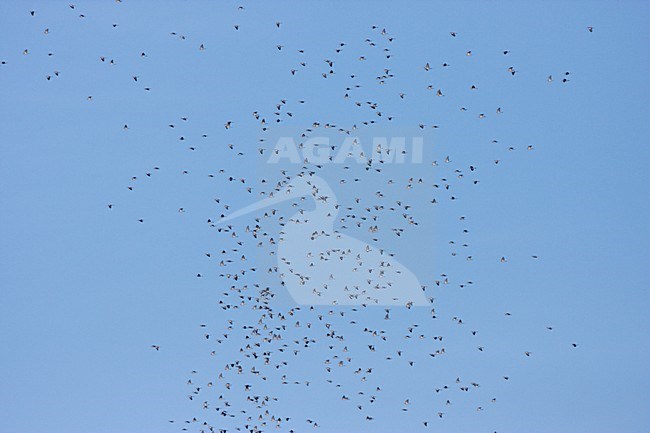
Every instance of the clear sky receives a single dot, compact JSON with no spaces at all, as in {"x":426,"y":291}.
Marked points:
{"x":85,"y":290}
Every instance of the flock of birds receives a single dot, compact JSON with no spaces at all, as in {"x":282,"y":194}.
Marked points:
{"x":261,"y":345}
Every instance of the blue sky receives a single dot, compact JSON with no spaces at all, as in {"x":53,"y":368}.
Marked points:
{"x":86,"y":290}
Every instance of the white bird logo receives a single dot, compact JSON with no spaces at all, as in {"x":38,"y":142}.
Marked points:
{"x":321,"y":266}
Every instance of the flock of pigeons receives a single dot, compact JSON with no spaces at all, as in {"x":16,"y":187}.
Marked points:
{"x":263,"y":346}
